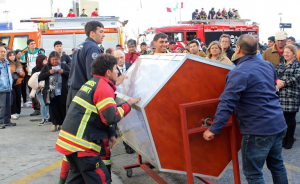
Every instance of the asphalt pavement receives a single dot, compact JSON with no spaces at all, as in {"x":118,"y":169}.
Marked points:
{"x":27,"y":155}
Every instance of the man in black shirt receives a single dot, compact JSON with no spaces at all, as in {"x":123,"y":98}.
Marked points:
{"x":58,"y":14}
{"x":64,"y":58}
{"x":83,"y":13}
{"x":211,"y":14}
{"x":225,"y":44}
{"x":195,"y":15}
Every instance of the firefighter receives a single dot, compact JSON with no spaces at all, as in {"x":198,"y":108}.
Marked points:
{"x":202,"y":14}
{"x":91,"y":113}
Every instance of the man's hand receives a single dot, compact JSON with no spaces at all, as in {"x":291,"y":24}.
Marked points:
{"x":120,"y":79}
{"x":280,"y":83}
{"x":207,"y":135}
{"x":132,"y":101}
{"x":60,"y":71}
{"x":27,"y":69}
{"x":52,"y":71}
{"x":111,"y":142}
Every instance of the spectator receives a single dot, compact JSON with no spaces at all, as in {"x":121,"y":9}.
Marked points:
{"x":195,"y":15}
{"x":230,"y":14}
{"x":83,"y":13}
{"x":122,"y":66}
{"x":251,"y":93}
{"x":64,"y":58}
{"x":212,"y":14}
{"x":71,"y":14}
{"x":37,"y":86}
{"x":153,"y":48}
{"x":160,"y":42}
{"x":260,"y":47}
{"x":5,"y":90}
{"x":171,"y":46}
{"x":219,"y":14}
{"x":58,"y":14}
{"x":109,"y":51}
{"x":195,"y":48}
{"x":29,"y":58}
{"x":225,"y":44}
{"x":119,"y":47}
{"x":274,"y":54}
{"x":132,"y":54}
{"x":288,"y":82}
{"x":271,"y":41}
{"x":203,"y":14}
{"x":71,"y":55}
{"x":214,"y":52}
{"x":15,"y":69}
{"x":178,"y":48}
{"x":55,"y":74}
{"x":185,"y":50}
{"x":95,"y":13}
{"x":204,"y":47}
{"x":23,"y":84}
{"x":43,"y":50}
{"x":144,"y":50}
{"x":224,"y":14}
{"x":292,"y":40}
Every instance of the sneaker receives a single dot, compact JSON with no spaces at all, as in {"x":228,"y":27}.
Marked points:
{"x":43,"y":122}
{"x":14,"y":117}
{"x":36,"y":113}
{"x":11,"y":124}
{"x":27,"y":104}
{"x":22,"y":104}
{"x":2,"y":126}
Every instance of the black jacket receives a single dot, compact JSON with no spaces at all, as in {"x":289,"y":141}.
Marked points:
{"x":66,"y":60}
{"x":262,"y":48}
{"x":83,"y":56}
{"x":45,"y":74}
{"x":229,"y":52}
{"x":35,"y":69}
{"x":127,"y":65}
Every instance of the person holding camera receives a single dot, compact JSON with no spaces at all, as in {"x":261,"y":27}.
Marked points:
{"x":55,"y":74}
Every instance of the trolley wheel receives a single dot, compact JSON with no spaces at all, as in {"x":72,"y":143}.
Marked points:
{"x":129,"y":172}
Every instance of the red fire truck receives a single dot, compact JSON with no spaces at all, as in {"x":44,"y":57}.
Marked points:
{"x":206,"y":30}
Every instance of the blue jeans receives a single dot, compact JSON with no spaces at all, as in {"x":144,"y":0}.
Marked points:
{"x":256,"y":150}
{"x":44,"y":107}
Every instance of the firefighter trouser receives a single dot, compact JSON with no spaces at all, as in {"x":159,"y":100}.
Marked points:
{"x":89,"y":170}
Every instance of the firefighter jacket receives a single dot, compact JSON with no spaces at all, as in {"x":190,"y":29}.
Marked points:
{"x":92,"y":111}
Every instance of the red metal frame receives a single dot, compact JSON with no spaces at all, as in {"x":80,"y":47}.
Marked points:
{"x":145,"y":167}
{"x":186,"y":132}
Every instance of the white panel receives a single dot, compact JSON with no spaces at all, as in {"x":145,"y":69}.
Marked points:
{"x":80,"y":38}
{"x":110,"y":40}
{"x":48,"y":43}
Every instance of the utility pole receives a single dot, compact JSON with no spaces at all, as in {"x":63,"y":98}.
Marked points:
{"x":280,"y":14}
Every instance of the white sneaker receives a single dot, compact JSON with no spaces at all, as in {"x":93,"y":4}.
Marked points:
{"x":14,"y":117}
{"x":22,"y":104}
{"x":17,"y":115}
{"x":27,"y":104}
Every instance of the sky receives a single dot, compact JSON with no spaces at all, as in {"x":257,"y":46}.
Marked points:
{"x":143,"y":14}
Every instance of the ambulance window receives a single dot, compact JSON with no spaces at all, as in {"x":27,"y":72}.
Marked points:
{"x":191,"y":36}
{"x":20,"y":42}
{"x":5,"y":39}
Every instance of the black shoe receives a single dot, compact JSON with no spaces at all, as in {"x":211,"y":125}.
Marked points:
{"x":43,"y":122}
{"x":2,"y":126}
{"x":289,"y":145}
{"x":11,"y":124}
{"x":129,"y":150}
{"x":62,"y":180}
{"x":36,"y":113}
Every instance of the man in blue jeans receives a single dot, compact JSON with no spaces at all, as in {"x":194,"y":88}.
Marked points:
{"x":250,"y":91}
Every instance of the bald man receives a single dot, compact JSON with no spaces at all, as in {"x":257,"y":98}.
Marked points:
{"x":250,"y":91}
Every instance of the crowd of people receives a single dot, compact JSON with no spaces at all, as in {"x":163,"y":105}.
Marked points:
{"x":212,"y":14}
{"x":77,"y":93}
{"x":71,"y":14}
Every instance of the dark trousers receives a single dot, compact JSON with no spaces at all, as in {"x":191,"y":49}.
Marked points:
{"x":71,"y":95}
{"x":89,"y":170}
{"x":290,"y":119}
{"x":5,"y":103}
{"x":16,"y":94}
{"x":57,"y":111}
{"x":24,"y":88}
{"x":35,"y":102}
